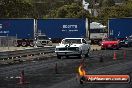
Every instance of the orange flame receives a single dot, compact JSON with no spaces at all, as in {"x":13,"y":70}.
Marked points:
{"x":81,"y":71}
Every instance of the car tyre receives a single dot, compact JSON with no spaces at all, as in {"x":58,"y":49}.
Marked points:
{"x":31,"y":44}
{"x":24,"y":44}
{"x":80,"y":56}
{"x":102,"y":48}
{"x":67,"y":56}
{"x":130,"y":44}
{"x":117,"y":48}
{"x":87,"y":54}
{"x":58,"y":56}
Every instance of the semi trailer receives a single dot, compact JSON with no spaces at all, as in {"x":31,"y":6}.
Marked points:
{"x":120,"y":27}
{"x":60,"y":28}
{"x":38,"y":32}
{"x":24,"y":31}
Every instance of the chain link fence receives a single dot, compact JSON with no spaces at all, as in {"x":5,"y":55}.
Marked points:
{"x":7,"y":41}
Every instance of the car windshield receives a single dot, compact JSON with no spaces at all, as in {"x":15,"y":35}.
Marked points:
{"x":42,"y":37}
{"x":129,"y":39}
{"x":69,"y":41}
{"x":110,"y":39}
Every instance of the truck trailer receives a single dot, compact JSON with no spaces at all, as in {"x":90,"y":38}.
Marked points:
{"x":38,"y":32}
{"x":60,"y":28}
{"x":120,"y":27}
{"x":24,"y":31}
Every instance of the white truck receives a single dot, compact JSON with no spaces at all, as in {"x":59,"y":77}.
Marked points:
{"x":72,"y":47}
{"x":97,"y":32}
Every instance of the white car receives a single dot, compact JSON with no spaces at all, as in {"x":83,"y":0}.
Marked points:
{"x":72,"y":47}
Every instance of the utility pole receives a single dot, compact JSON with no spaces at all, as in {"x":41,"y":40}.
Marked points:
{"x":93,"y":7}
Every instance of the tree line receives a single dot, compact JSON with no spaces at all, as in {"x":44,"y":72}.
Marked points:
{"x":64,"y":9}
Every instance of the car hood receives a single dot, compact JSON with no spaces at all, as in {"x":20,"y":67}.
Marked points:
{"x":110,"y":42}
{"x":68,"y":45}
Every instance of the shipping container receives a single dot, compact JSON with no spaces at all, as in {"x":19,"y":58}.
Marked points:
{"x":21,"y":29}
{"x":120,"y":27}
{"x":39,"y":32}
{"x":62,"y":28}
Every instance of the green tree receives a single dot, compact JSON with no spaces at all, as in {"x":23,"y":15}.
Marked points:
{"x":117,"y":11}
{"x":106,"y":3}
{"x":15,"y":9}
{"x":69,"y":11}
{"x":42,"y":7}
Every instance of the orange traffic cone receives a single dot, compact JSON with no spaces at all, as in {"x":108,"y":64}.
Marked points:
{"x":82,"y":61}
{"x":124,"y":54}
{"x":115,"y":56}
{"x":22,"y":80}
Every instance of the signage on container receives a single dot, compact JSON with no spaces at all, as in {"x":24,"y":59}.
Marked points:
{"x":70,"y":28}
{"x":0,"y":26}
{"x":1,"y":31}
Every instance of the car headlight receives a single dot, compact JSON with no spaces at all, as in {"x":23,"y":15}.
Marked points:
{"x":126,"y":42}
{"x":57,"y":49}
{"x":36,"y":42}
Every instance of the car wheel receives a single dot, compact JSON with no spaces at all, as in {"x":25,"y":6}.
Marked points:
{"x":87,"y":54}
{"x":24,"y":44}
{"x":67,"y":56}
{"x":58,"y":56}
{"x":102,"y":48}
{"x":131,"y":45}
{"x":31,"y":44}
{"x":117,"y":48}
{"x":80,"y":56}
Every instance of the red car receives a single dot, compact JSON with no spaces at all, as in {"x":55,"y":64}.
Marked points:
{"x":110,"y":43}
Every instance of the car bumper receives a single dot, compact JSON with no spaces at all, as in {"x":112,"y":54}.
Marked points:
{"x":124,"y":45}
{"x":68,"y":53}
{"x":109,"y":46}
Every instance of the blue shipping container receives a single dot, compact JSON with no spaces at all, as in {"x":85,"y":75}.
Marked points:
{"x":22,"y":28}
{"x":62,"y":28}
{"x":120,"y":27}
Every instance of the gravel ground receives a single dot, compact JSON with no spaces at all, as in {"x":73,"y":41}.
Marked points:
{"x":43,"y":74}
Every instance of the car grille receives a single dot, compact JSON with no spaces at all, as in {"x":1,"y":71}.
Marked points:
{"x":68,"y":48}
{"x":43,"y":41}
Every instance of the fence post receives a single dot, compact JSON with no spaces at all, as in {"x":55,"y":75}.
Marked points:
{"x":8,"y":41}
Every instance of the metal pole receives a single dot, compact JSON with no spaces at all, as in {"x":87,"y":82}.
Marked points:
{"x":2,"y":43}
{"x":87,"y":24}
{"x":89,"y":28}
{"x":8,"y":41}
{"x":16,"y":41}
